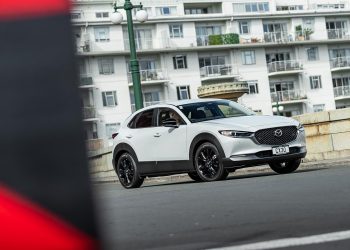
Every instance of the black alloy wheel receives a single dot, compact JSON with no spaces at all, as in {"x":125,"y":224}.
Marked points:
{"x":285,"y":167}
{"x":127,"y":171}
{"x":194,"y":176}
{"x":208,"y":163}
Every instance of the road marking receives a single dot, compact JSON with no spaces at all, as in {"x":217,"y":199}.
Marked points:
{"x":289,"y":242}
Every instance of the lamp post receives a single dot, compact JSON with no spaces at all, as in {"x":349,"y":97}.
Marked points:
{"x":277,"y":108}
{"x":141,"y":16}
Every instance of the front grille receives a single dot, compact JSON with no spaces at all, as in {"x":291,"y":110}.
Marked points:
{"x":271,"y":136}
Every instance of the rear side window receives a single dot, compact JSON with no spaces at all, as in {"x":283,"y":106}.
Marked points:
{"x":142,"y":120}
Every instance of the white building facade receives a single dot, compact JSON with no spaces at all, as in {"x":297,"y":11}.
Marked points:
{"x":295,"y":54}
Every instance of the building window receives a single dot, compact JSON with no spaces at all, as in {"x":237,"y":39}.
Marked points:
{"x":106,"y":66}
{"x":109,"y":98}
{"x":102,"y":14}
{"x":111,"y":128}
{"x":315,"y":82}
{"x":253,"y":87}
{"x":183,"y":92}
{"x":312,"y":54}
{"x":75,"y":15}
{"x":318,"y":107}
{"x":244,"y":27}
{"x":165,"y":11}
{"x":194,"y":11}
{"x":289,"y":7}
{"x":175,"y":30}
{"x":101,"y":34}
{"x":248,"y":57}
{"x":180,"y":62}
{"x":251,"y":7}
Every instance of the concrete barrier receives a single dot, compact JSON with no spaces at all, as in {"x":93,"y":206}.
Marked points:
{"x":327,"y":134}
{"x":327,"y":137}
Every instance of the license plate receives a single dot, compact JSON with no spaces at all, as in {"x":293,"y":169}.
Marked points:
{"x":282,"y":150}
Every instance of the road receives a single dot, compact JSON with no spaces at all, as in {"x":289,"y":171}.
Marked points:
{"x":241,"y":210}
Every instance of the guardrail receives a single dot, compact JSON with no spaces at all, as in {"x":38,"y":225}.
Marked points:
{"x":340,"y":62}
{"x":341,"y":91}
{"x":338,"y":34}
{"x":140,"y":44}
{"x":280,"y":66}
{"x":277,"y":37}
{"x":150,"y":75}
{"x":218,"y":70}
{"x":288,"y":95}
{"x":89,"y":112}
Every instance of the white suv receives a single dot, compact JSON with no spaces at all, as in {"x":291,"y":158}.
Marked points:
{"x":206,"y":138}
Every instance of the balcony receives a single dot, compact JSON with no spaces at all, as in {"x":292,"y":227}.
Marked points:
{"x":218,"y":72}
{"x":145,"y":104}
{"x":338,"y":34}
{"x":89,"y":114}
{"x":284,"y":67}
{"x":86,"y":81}
{"x":229,"y":90}
{"x":289,"y":96}
{"x":342,"y":92}
{"x":140,"y":44}
{"x":219,"y":39}
{"x":340,"y":64}
{"x":150,"y":76}
{"x":277,"y":37}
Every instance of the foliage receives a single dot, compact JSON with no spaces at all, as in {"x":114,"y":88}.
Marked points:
{"x":215,"y":40}
{"x":230,"y":38}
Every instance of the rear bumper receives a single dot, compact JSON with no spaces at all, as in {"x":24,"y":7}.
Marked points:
{"x":262,"y":157}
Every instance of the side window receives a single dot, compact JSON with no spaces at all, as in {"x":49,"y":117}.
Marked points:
{"x":145,"y":119}
{"x":166,"y":113}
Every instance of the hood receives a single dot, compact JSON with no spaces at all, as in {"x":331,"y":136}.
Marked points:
{"x":252,"y":123}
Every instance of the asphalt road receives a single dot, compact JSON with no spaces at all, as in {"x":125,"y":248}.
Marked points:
{"x":244,"y":209}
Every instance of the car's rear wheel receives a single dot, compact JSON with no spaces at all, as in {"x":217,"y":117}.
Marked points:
{"x":208,"y":164}
{"x":285,"y":167}
{"x":194,"y":176}
{"x":127,"y":171}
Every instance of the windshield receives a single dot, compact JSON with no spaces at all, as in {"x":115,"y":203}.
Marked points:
{"x":212,"y":110}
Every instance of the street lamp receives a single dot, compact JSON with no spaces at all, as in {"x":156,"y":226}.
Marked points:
{"x":277,"y":108}
{"x":141,"y":16}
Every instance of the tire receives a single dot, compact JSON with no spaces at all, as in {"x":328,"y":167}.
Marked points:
{"x":225,"y":174}
{"x":285,"y":167}
{"x":208,"y":163}
{"x":194,"y":176}
{"x":127,"y":171}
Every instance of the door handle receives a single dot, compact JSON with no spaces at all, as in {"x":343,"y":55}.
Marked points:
{"x":156,"y":135}
{"x":129,"y":136}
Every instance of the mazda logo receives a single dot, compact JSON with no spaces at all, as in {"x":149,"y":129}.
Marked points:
{"x":278,"y":133}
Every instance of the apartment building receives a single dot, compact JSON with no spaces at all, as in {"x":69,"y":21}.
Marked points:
{"x":291,"y":53}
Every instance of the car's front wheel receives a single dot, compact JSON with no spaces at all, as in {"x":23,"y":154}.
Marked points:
{"x":208,"y":164}
{"x":127,"y":171}
{"x":285,"y":167}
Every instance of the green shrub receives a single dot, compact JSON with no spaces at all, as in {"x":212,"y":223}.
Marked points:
{"x":230,"y":38}
{"x":215,"y":40}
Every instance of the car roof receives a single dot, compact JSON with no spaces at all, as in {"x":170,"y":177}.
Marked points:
{"x":189,"y":101}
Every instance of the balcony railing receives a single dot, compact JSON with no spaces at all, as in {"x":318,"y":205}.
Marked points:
{"x":140,"y":44}
{"x":145,"y":104}
{"x":85,"y":80}
{"x":338,"y":34}
{"x":89,"y":112}
{"x":218,"y":70}
{"x":341,"y":91}
{"x":282,"y":66}
{"x":149,"y":75}
{"x":277,"y":37}
{"x":340,"y":62}
{"x":288,"y":95}
{"x":203,"y":40}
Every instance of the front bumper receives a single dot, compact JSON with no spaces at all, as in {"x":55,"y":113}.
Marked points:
{"x":262,"y":157}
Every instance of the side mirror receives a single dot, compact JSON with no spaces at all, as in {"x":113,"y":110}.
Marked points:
{"x":170,"y":123}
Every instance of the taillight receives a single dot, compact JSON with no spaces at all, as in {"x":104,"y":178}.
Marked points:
{"x":114,"y":135}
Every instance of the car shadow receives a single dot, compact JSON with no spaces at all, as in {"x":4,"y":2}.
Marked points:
{"x":230,"y":177}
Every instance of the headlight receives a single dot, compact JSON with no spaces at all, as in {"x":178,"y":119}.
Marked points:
{"x":300,"y":128}
{"x":236,"y":134}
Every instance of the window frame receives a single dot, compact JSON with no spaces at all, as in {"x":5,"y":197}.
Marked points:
{"x":241,"y":27}
{"x":180,"y":89}
{"x":316,"y":54}
{"x":252,"y":55}
{"x":134,"y":120}
{"x":176,"y":61}
{"x":97,"y":34}
{"x":256,"y":88}
{"x":172,"y":29}
{"x":314,"y":84}
{"x":105,"y":98}
{"x":102,"y":62}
